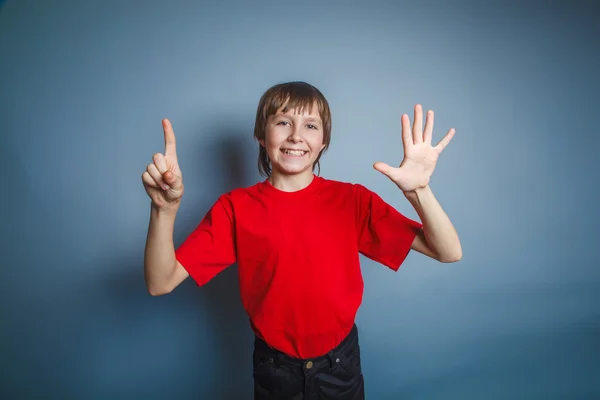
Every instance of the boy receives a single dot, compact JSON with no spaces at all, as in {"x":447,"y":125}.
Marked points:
{"x":296,"y":238}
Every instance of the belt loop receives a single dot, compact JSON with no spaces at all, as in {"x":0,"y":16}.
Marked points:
{"x":332,"y":358}
{"x":277,"y":359}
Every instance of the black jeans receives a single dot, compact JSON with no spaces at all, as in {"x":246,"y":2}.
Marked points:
{"x":335,"y":375}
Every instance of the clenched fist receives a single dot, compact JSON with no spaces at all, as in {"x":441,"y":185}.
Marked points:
{"x":162,"y":179}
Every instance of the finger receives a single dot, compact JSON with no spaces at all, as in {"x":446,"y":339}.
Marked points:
{"x":153,"y":171}
{"x":147,"y":179}
{"x":407,"y":139}
{"x":428,"y":134}
{"x":170,"y":145}
{"x":383,"y":168}
{"x":160,"y":162}
{"x":418,"y":125}
{"x":445,"y":140}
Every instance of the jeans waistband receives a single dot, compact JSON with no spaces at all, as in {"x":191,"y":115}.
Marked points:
{"x":349,"y":342}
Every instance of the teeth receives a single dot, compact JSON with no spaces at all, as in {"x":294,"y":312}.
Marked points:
{"x":294,"y":152}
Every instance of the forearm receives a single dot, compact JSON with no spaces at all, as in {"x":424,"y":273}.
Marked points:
{"x":159,"y":255}
{"x":441,"y":236}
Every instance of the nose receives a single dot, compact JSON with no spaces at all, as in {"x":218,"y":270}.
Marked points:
{"x":296,"y":135}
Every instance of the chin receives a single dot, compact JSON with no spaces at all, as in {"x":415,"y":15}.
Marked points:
{"x":293,"y":171}
{"x":287,"y":169}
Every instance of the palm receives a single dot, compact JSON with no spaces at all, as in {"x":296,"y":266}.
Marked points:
{"x":420,"y":157}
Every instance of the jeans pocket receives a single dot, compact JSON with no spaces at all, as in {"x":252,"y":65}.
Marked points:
{"x":261,"y":362}
{"x":351,"y":365}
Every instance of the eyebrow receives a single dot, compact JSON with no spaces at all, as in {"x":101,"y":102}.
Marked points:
{"x":313,"y":119}
{"x":308,"y":119}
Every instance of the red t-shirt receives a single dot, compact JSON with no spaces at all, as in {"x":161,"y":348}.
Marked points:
{"x":298,"y":256}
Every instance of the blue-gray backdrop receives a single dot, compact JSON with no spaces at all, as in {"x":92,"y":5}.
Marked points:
{"x":84,"y":86}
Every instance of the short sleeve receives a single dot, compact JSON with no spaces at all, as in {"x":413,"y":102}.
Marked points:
{"x":384,"y":234}
{"x":210,"y":248}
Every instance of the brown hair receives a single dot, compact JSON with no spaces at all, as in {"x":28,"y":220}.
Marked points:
{"x":298,"y":95}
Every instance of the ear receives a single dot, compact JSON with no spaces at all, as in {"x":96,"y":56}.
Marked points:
{"x":262,"y":142}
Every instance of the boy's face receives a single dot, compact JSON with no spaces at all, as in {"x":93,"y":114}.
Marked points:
{"x":293,"y":141}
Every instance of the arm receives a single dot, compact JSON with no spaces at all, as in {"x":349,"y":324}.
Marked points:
{"x":438,"y":239}
{"x":162,"y":271}
{"x":164,"y":184}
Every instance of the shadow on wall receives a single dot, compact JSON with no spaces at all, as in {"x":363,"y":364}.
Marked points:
{"x":195,"y":342}
{"x":233,"y":339}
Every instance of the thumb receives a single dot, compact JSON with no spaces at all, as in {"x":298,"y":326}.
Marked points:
{"x":172,"y":180}
{"x":383,"y":168}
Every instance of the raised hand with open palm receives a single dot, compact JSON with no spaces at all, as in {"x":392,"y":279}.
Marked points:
{"x":162,"y":179}
{"x":420,"y":156}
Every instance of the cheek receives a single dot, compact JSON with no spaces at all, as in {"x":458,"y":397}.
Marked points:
{"x":272,"y":145}
{"x":317,"y":144}
{"x":271,"y":140}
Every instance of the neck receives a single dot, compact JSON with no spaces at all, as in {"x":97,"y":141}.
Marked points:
{"x":291,"y":183}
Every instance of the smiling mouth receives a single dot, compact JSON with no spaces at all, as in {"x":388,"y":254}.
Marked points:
{"x":293,"y":153}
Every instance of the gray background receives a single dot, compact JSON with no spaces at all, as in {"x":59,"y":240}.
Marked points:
{"x":84,"y":86}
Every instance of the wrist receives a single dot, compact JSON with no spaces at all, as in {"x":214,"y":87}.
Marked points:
{"x":416,"y":192}
{"x":169,"y":211}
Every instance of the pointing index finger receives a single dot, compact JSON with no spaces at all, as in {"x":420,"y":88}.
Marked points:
{"x":170,"y":146}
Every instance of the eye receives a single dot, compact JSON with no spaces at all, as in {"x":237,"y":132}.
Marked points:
{"x":311,"y":126}
{"x":282,"y":123}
